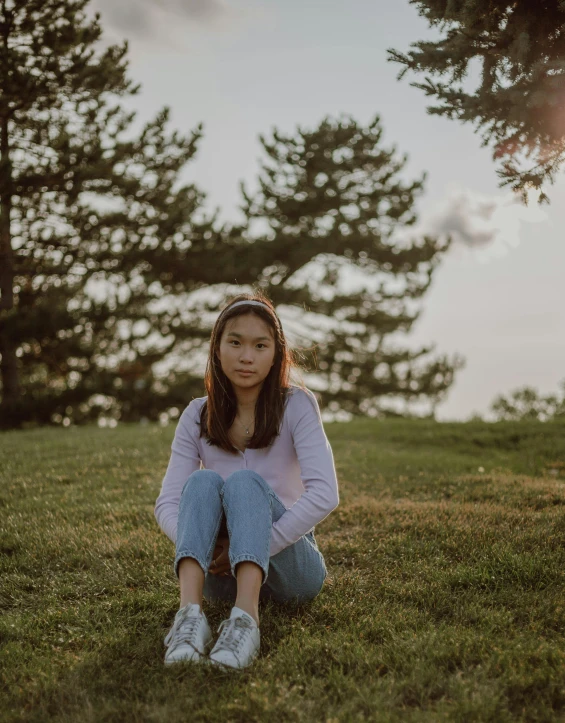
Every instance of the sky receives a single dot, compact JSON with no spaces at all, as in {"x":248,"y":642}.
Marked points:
{"x":242,"y":68}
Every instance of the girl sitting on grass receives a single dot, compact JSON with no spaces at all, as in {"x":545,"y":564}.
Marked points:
{"x":244,"y":524}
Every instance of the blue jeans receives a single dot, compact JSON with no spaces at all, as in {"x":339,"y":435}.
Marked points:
{"x":250,"y":506}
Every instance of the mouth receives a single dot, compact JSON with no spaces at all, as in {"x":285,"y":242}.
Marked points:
{"x":244,"y":373}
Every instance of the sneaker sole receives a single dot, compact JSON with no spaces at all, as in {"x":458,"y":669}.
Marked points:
{"x":198,"y":661}
{"x":224,"y":666}
{"x":202,"y":659}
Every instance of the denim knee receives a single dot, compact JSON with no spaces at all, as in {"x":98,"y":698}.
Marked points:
{"x":203,"y":481}
{"x":245,"y":476}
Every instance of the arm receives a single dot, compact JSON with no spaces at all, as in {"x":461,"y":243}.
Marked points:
{"x":318,"y":475}
{"x":184,"y":460}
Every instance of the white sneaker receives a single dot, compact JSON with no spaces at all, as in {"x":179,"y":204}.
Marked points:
{"x":238,"y":643}
{"x":190,"y":637}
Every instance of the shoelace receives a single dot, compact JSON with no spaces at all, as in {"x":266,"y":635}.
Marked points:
{"x":183,"y":631}
{"x":233,"y":632}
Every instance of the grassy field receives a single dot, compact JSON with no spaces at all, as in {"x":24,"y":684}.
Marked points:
{"x":445,"y":599}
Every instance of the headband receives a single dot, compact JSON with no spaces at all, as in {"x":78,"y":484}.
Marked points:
{"x":251,"y":301}
{"x":245,"y":301}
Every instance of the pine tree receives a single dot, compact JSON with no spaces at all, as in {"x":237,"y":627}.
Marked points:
{"x":81,"y":203}
{"x":104,"y":254}
{"x":519,"y":104}
{"x":330,"y":200}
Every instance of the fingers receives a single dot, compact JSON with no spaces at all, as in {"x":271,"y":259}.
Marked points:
{"x":222,"y":571}
{"x":222,"y":545}
{"x":220,"y":565}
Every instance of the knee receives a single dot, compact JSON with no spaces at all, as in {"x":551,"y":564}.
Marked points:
{"x":313,"y":590}
{"x":302,"y":594}
{"x":203,"y":482}
{"x":244,"y":478}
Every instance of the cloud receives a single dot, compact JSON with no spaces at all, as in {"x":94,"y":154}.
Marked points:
{"x":142,"y":17}
{"x":489,"y":224}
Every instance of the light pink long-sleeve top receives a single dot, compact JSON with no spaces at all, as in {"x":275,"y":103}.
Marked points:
{"x":298,"y":466}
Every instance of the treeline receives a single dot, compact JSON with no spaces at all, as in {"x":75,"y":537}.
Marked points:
{"x":106,"y":253}
{"x":112,"y":271}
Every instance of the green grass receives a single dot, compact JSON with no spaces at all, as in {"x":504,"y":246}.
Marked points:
{"x":445,"y":599}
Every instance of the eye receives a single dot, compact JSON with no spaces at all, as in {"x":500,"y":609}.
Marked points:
{"x":234,"y":341}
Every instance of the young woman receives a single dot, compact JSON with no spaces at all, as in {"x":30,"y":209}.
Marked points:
{"x":243,"y":524}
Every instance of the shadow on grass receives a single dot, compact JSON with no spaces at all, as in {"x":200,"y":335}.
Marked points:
{"x":125,"y":678}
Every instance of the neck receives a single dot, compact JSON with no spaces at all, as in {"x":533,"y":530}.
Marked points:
{"x":246,"y":400}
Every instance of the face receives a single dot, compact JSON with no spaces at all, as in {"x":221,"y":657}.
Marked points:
{"x":247,"y":344}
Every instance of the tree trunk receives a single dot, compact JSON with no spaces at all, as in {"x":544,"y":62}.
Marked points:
{"x":9,"y":363}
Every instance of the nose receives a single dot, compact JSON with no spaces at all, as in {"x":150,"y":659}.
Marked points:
{"x":246,"y":354}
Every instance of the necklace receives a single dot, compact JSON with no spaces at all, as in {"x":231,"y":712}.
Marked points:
{"x":244,"y":426}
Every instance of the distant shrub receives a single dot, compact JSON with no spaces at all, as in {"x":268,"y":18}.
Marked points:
{"x":527,"y":404}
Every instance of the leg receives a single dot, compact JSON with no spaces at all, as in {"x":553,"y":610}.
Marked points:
{"x":247,"y":506}
{"x":200,"y":515}
{"x":249,"y":577}
{"x":251,"y":506}
{"x":298,"y":572}
{"x":191,"y":581}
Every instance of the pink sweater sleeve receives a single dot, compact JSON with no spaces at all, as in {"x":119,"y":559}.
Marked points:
{"x":317,"y":471}
{"x":184,"y":460}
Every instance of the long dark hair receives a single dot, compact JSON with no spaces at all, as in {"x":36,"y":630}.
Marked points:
{"x":219,"y":410}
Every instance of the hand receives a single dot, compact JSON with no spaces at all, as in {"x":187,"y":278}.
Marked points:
{"x":221,"y":558}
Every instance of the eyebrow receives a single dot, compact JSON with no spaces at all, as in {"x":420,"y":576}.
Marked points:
{"x":239,"y":336}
